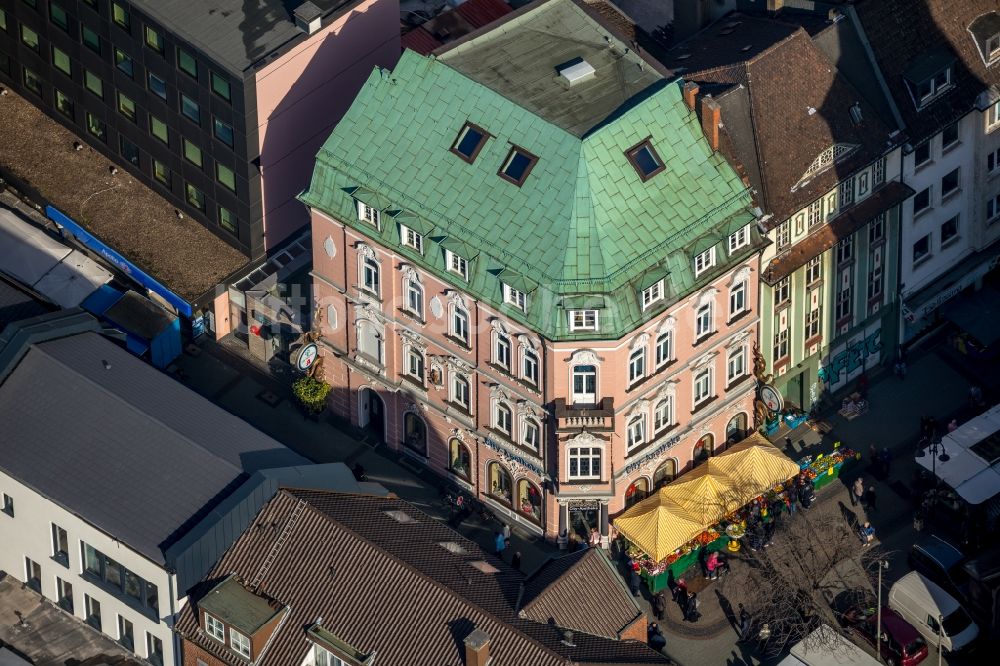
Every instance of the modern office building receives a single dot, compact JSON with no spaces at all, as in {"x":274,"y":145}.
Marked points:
{"x":217,"y":106}
{"x":544,"y":285}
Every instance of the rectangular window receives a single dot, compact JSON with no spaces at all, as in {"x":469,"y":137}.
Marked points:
{"x":844,"y":308}
{"x":993,"y":209}
{"x":812,"y":323}
{"x":8,"y":505}
{"x":112,"y":572}
{"x":456,"y":264}
{"x":460,"y":324}
{"x":814,"y":270}
{"x":470,"y":140}
{"x":645,"y":160}
{"x":664,"y":348}
{"x":636,"y":433}
{"x":845,"y":250}
{"x":96,"y":127}
{"x":64,"y":592}
{"x":161,"y":172}
{"x":190,"y":109}
{"x":517,"y":166}
{"x":782,"y":290}
{"x":154,"y":39}
{"x":584,"y":462}
{"x":194,"y":196}
{"x":60,"y":60}
{"x":932,"y":87}
{"x":225,"y":176}
{"x":91,"y":39}
{"x":121,"y":16}
{"x":702,"y":386}
{"x":368,"y":214}
{"x":92,"y":559}
{"x":415,"y":298}
{"x":128,"y":150}
{"x":33,"y":574}
{"x":530,"y":367}
{"x":501,"y":352}
{"x":993,"y":161}
{"x":370,"y":275}
{"x":703,"y":321}
{"x":215,"y":628}
{"x":126,"y":107}
{"x":922,"y":248}
{"x":411,"y":238}
{"x":652,"y":294}
{"x":515,"y":297}
{"x":187,"y":64}
{"x":704,"y":261}
{"x":781,"y":344}
{"x":157,"y":86}
{"x":158,"y":128}
{"x":227,"y":221}
{"x":93,"y":83}
{"x":192,"y":153}
{"x":783,"y":235}
{"x":737,"y":300}
{"x":221,"y":87}
{"x":223,"y":132}
{"x":58,"y":16}
{"x":949,"y":231}
{"x":29,"y":38}
{"x":3,"y":20}
{"x":65,"y":105}
{"x":93,"y":609}
{"x":32,"y":81}
{"x":637,"y":365}
{"x":876,"y":229}
{"x":126,"y":633}
{"x":154,"y":650}
{"x":922,"y":154}
{"x":60,"y":545}
{"x":239,"y":643}
{"x":949,"y":183}
{"x":846,"y":193}
{"x":739,"y":239}
{"x":949,"y":135}
{"x":878,"y":172}
{"x":460,"y":391}
{"x":875,"y":274}
{"x":736,"y":366}
{"x":815,"y":213}
{"x":415,"y":364}
{"x":663,"y":416}
{"x":124,"y":63}
{"x":5,"y":63}
{"x":583,"y":320}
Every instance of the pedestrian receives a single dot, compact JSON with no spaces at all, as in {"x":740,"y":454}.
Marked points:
{"x":867,"y":533}
{"x":953,"y":425}
{"x":976,"y":396}
{"x":515,"y":560}
{"x":680,"y":592}
{"x":659,"y":605}
{"x":655,"y":638}
{"x":788,"y":443}
{"x":506,"y":535}
{"x":932,"y":427}
{"x":595,"y":537}
{"x":872,"y":454}
{"x":500,"y":543}
{"x":711,"y":565}
{"x":886,"y":459}
{"x":703,"y":561}
{"x":870,"y":499}
{"x":691,"y":613}
{"x":858,"y":492}
{"x":722,"y":567}
{"x":744,"y":622}
{"x":633,"y":582}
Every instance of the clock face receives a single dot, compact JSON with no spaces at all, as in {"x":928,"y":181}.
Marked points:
{"x":308,"y":355}
{"x":771,"y":398}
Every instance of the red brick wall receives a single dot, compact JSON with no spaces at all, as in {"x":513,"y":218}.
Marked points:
{"x":633,"y":632}
{"x":192,"y":653}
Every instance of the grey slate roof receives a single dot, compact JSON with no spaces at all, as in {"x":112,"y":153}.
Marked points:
{"x":234,"y":33}
{"x":17,"y":304}
{"x":123,"y":446}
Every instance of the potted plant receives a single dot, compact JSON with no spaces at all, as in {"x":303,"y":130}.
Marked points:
{"x":311,"y":394}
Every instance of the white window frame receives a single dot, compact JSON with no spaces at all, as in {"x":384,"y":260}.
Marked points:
{"x":652,"y":294}
{"x":780,"y":349}
{"x":572,"y":387}
{"x":663,"y":414}
{"x":240,"y":643}
{"x":461,"y":390}
{"x":371,"y":269}
{"x":322,"y":657}
{"x":664,"y":348}
{"x":456,"y":264}
{"x":846,"y":194}
{"x":740,"y":238}
{"x":529,"y":366}
{"x":738,"y":299}
{"x":783,"y":234}
{"x":704,"y":261}
{"x":635,"y":432}
{"x":636,"y":365}
{"x":993,"y":161}
{"x":876,"y":229}
{"x":740,"y":354}
{"x":814,"y":214}
{"x":993,"y":208}
{"x":935,"y":89}
{"x":500,"y":343}
{"x":783,"y":290}
{"x":845,"y":250}
{"x":415,"y":364}
{"x":814,"y":269}
{"x":583,"y":320}
{"x":503,"y":408}
{"x":527,"y":428}
{"x":993,"y":117}
{"x":458,"y":323}
{"x":702,"y":377}
{"x":415,"y":299}
{"x":369,"y":215}
{"x":593,"y":454}
{"x":703,"y":321}
{"x":215,"y":628}
{"x":813,"y":322}
{"x":512,"y":296}
{"x":410,"y":238}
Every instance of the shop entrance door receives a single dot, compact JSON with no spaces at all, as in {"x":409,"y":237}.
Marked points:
{"x":793,"y":389}
{"x":371,"y":414}
{"x":584,"y":516}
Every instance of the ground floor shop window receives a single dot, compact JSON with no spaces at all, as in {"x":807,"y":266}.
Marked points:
{"x":703,"y":449}
{"x":500,"y":483}
{"x":529,"y":500}
{"x":664,"y":474}
{"x":415,"y":433}
{"x":460,"y":459}
{"x":736,"y":429}
{"x":636,"y":492}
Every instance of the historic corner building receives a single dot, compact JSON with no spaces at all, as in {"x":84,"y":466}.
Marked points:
{"x":825,"y":167}
{"x":534,"y":273}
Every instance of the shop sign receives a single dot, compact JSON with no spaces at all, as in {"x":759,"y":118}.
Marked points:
{"x":951,"y":292}
{"x":771,"y":398}
{"x":307,"y":356}
{"x":655,"y":453}
{"x":508,"y":456}
{"x":584,"y":505}
{"x":852,"y":357}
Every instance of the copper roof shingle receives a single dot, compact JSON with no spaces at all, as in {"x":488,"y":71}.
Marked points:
{"x":385,"y":586}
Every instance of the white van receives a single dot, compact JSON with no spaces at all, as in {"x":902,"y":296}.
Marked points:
{"x":827,"y":647}
{"x":921,"y":603}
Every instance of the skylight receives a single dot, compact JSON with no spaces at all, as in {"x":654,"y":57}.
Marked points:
{"x":400,"y":516}
{"x":452,"y":547}
{"x":469,"y":142}
{"x":645,"y":160}
{"x":484,"y":566}
{"x":517,"y":166}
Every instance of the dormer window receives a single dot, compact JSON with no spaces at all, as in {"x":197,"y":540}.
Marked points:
{"x":516,"y":298}
{"x":652,"y":294}
{"x":985,"y":30}
{"x":929,"y":75}
{"x":740,"y":238}
{"x":583,"y":320}
{"x":411,"y":238}
{"x":239,"y":643}
{"x":930,"y":88}
{"x":215,"y":629}
{"x":704,"y":261}
{"x":993,"y":48}
{"x":326,"y":658}
{"x":644,"y":160}
{"x":369,"y":214}
{"x":456,"y":264}
{"x":469,"y":142}
{"x":517,"y":165}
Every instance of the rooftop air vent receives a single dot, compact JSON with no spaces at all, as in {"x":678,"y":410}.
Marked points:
{"x":576,"y":71}
{"x":308,"y":17}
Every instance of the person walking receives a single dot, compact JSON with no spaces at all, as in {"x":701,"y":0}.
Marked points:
{"x":858,"y":492}
{"x":500,"y":543}
{"x":870,"y":499}
{"x":515,"y":560}
{"x":712,"y":566}
{"x":655,"y":638}
{"x":659,"y":605}
{"x":506,"y":535}
{"x":595,"y":537}
{"x":885,"y":458}
{"x":866,"y":533}
{"x":633,"y":582}
{"x":691,"y":613}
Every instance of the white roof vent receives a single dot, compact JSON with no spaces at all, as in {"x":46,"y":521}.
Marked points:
{"x":577,"y":71}
{"x":308,"y":17}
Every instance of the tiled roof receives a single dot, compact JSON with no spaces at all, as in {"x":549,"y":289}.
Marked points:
{"x":419,"y":40}
{"x":583,"y":222}
{"x":555,"y":591}
{"x":902,"y":32}
{"x":451,"y":25}
{"x":799,"y":106}
{"x":386,"y":586}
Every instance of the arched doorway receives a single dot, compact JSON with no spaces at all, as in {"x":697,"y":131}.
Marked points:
{"x":459,"y":458}
{"x":736,"y":429}
{"x":529,"y":500}
{"x":371,"y":413}
{"x":703,"y":449}
{"x":636,"y":492}
{"x":415,"y":433}
{"x":664,"y":474}
{"x":500,"y":486}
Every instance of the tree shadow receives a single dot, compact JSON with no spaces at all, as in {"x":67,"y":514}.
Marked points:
{"x":850,"y":517}
{"x":727,"y":609}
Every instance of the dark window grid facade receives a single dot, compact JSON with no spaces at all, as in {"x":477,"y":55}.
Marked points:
{"x":165,"y":66}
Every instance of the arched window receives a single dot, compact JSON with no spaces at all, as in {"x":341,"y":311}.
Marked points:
{"x":415,"y":298}
{"x":636,"y":492}
{"x":636,"y":433}
{"x":503,"y":419}
{"x":529,"y":500}
{"x":499,"y":482}
{"x":531,"y":434}
{"x":664,"y":474}
{"x":415,"y":433}
{"x":736,"y":428}
{"x":460,"y":460}
{"x":703,"y":449}
{"x":369,"y":340}
{"x":585,"y":385}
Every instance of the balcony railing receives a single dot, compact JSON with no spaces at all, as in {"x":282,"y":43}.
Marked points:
{"x":573,"y":418}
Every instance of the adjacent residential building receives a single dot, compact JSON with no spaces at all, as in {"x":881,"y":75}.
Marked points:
{"x":217,"y":106}
{"x":543,"y":285}
{"x":390,"y":585}
{"x":941,"y":63}
{"x":825,"y":168}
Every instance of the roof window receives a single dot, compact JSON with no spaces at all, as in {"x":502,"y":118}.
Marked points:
{"x":929,"y":75}
{"x":985,"y":31}
{"x":400,"y":516}
{"x":517,"y":166}
{"x":644,"y":159}
{"x":469,"y":142}
{"x":452,"y":547}
{"x":484,"y":566}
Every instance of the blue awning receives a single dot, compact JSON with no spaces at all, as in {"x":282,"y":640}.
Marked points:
{"x":102,"y":299}
{"x":135,"y":344}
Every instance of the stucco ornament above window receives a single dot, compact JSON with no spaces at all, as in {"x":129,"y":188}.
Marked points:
{"x":825,"y":160}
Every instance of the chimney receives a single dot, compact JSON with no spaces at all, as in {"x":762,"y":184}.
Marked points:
{"x":308,"y":17}
{"x":690,"y":94}
{"x":477,"y":648}
{"x":711,"y":118}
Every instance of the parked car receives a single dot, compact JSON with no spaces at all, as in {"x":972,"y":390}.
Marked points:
{"x":941,"y":562}
{"x":900,"y":644}
{"x":975,"y":582}
{"x":933,"y":612}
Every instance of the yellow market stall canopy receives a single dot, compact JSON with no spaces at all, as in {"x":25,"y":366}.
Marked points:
{"x":683,"y":509}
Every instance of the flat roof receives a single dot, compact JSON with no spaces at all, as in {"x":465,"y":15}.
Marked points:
{"x":181,"y":254}
{"x":234,"y":33}
{"x":238,"y":607}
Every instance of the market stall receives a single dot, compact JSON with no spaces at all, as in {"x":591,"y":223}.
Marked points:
{"x":666,"y":531}
{"x":824,"y":468}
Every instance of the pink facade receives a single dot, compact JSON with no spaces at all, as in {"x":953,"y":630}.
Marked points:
{"x":395,"y":372}
{"x":304,"y":93}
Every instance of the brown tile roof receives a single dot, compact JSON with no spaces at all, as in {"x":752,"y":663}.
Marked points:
{"x":419,"y":40}
{"x":385,"y":586}
{"x":827,"y":235}
{"x":564,"y":588}
{"x":447,"y":26}
{"x":799,"y":105}
{"x":901,"y":31}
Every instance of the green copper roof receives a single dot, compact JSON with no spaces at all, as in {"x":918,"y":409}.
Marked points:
{"x":583,"y":222}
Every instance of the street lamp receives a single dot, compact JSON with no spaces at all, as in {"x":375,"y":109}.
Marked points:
{"x":935,"y":446}
{"x":882,"y":564}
